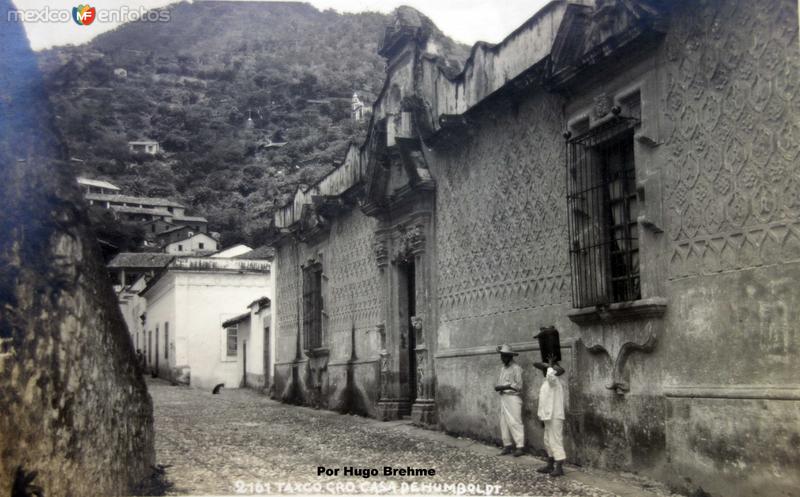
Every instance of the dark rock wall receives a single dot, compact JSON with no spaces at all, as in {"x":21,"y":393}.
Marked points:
{"x":74,"y":405}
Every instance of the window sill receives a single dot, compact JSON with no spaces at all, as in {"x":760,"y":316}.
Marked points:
{"x":318,"y":352}
{"x":651,"y":308}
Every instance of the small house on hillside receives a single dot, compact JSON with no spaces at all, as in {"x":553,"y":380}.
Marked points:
{"x":101,"y":187}
{"x":115,"y":200}
{"x":193,"y":243}
{"x":144,"y":147}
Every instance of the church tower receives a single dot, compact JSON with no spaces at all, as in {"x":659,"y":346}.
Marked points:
{"x":356,"y":108}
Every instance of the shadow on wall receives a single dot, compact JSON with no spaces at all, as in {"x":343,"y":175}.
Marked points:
{"x":353,"y":400}
{"x":77,"y":418}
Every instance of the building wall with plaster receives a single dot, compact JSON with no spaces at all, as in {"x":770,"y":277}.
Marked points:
{"x":351,"y":310}
{"x":694,"y":382}
{"x":195,"y":303}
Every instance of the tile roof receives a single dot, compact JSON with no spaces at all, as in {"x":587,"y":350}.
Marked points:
{"x":261,"y":253}
{"x":172,"y":230}
{"x":236,"y":320}
{"x":140,"y":260}
{"x":199,"y":219}
{"x":98,"y":183}
{"x":194,"y":235}
{"x":141,"y":210}
{"x":263,"y":302}
{"x":129,"y":199}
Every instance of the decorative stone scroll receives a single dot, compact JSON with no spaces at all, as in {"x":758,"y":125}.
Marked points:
{"x":416,"y":323}
{"x":618,"y":341}
{"x":602,"y":106}
{"x":381,"y":253}
{"x":422,"y":357}
{"x":411,"y":242}
{"x":386,"y":360}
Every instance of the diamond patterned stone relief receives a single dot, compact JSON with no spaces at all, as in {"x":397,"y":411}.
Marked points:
{"x":500,"y":218}
{"x":286,"y":293}
{"x":354,"y":294}
{"x":731,"y":105}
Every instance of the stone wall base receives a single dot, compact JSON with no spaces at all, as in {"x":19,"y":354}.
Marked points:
{"x":423,"y":412}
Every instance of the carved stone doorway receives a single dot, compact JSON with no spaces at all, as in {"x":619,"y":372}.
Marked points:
{"x":407,"y":379}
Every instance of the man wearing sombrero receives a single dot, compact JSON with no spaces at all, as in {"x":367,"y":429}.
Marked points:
{"x":510,"y":388}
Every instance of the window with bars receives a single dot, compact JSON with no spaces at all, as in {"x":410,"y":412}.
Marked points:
{"x":603,"y":207}
{"x":312,"y":306}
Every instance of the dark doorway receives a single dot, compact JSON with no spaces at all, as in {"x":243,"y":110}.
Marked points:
{"x":408,"y":310}
{"x":155,"y":372}
{"x":244,"y":363}
{"x":267,"y":372}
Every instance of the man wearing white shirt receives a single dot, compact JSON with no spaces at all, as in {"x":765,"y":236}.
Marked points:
{"x":551,"y":412}
{"x":509,"y":386}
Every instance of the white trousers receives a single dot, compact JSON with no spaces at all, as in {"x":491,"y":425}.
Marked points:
{"x":511,"y":420}
{"x":554,"y":439}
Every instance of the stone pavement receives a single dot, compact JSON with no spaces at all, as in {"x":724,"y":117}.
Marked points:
{"x":242,"y":443}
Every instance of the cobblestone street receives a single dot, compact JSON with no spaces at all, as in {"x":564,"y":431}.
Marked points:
{"x":243,"y":442}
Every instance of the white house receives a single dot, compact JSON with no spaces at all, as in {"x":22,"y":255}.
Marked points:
{"x":250,"y":335}
{"x":193,"y":244}
{"x":145,"y":146}
{"x":187,"y":302}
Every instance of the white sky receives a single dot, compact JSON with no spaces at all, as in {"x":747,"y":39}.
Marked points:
{"x":466,"y":21}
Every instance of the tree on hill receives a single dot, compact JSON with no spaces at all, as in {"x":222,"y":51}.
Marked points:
{"x":193,"y":83}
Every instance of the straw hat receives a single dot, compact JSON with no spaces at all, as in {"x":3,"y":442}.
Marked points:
{"x":506,"y":349}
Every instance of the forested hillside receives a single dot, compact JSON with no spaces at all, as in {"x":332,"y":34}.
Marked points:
{"x":215,"y":86}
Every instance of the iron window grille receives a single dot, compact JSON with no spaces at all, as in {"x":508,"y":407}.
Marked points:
{"x":312,"y":306}
{"x":602,"y":208}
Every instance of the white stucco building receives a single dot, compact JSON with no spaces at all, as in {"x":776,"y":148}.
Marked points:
{"x":96,"y":186}
{"x":187,"y":303}
{"x":144,"y":147}
{"x":250,"y":336}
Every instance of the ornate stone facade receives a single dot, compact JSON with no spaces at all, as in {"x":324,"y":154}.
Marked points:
{"x":450,"y":236}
